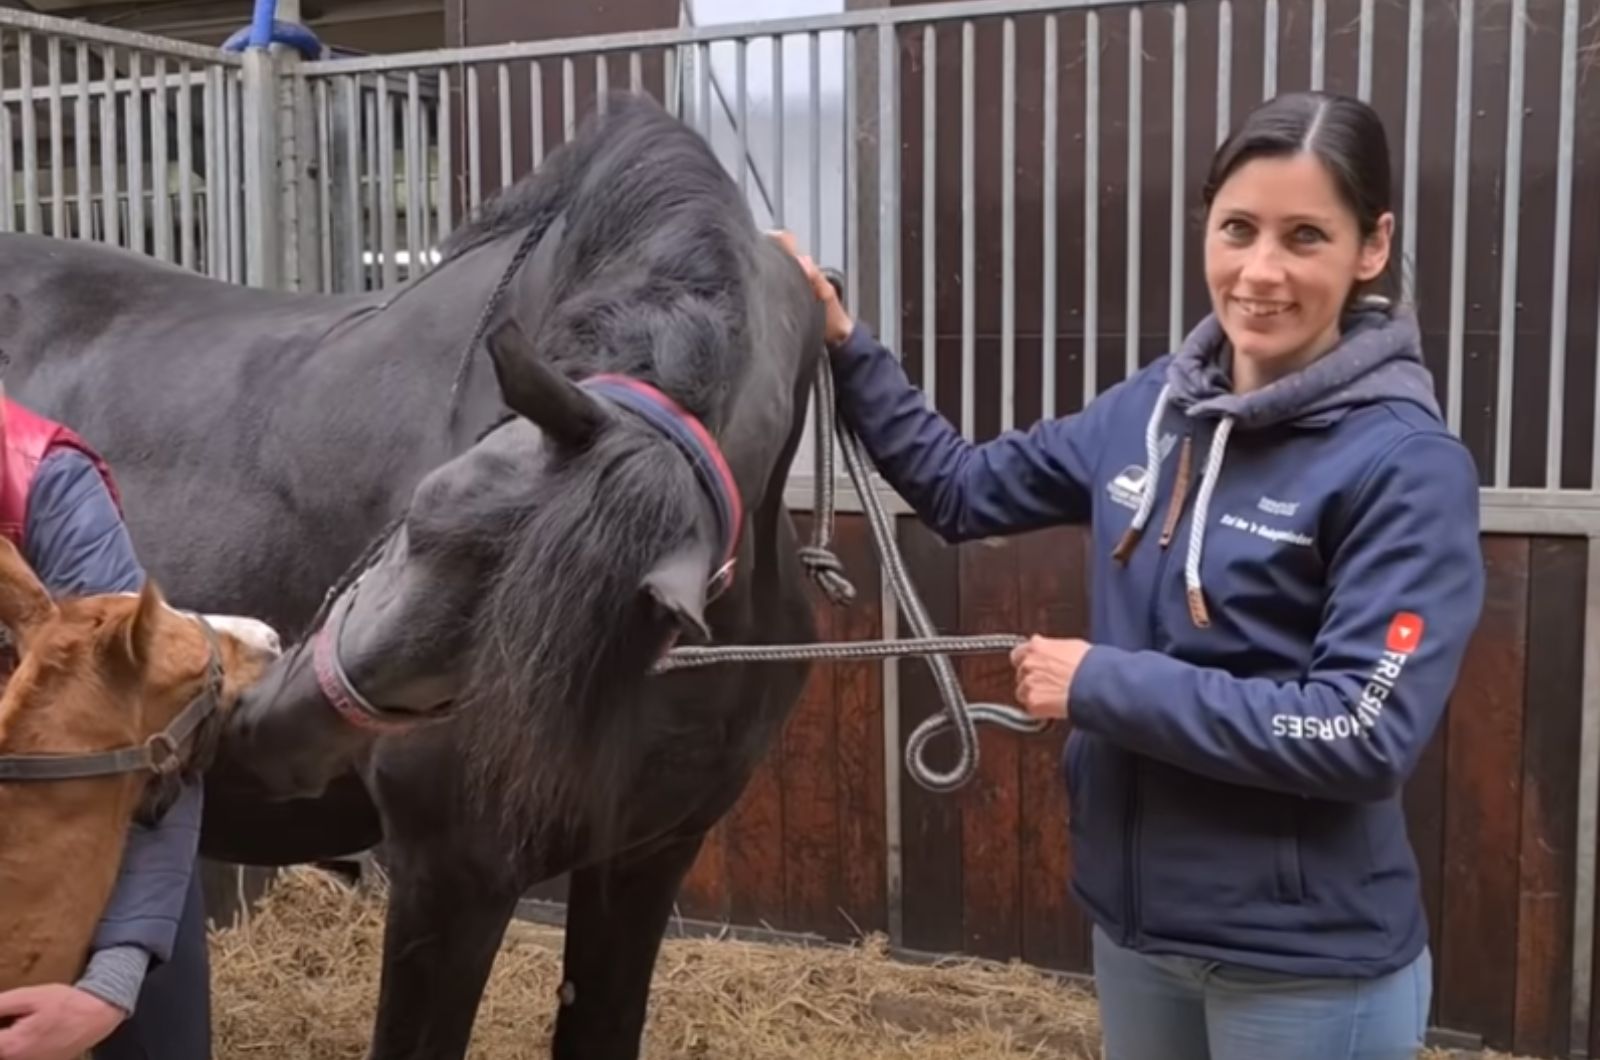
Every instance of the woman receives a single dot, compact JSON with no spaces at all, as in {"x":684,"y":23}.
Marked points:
{"x":1286,"y":575}
{"x":145,"y":991}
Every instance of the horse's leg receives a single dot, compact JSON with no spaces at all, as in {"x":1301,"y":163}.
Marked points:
{"x":616,"y":915}
{"x":446,"y":920}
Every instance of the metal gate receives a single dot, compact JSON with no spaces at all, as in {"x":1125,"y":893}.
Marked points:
{"x":122,"y":138}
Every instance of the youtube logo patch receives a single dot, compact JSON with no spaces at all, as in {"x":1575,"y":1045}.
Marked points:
{"x":1405,"y":633}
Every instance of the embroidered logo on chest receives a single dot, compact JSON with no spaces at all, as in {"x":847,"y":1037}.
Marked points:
{"x":1270,"y":529}
{"x":1128,"y":485}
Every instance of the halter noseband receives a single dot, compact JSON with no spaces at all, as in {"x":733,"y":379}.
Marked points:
{"x":333,"y":681}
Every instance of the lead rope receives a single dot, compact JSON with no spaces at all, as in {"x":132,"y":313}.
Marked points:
{"x":827,"y":570}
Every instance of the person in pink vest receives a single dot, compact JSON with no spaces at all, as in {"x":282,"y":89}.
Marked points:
{"x":145,"y":991}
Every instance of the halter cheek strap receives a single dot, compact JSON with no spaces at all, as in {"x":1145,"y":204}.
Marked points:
{"x":691,"y":437}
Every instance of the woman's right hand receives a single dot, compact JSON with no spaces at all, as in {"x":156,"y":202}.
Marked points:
{"x":837,"y":324}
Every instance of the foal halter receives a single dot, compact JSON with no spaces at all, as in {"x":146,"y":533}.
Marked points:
{"x":161,"y":752}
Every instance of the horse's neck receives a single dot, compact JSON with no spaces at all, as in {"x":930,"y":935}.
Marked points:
{"x":427,"y":324}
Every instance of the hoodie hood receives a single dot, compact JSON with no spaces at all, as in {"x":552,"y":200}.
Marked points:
{"x":1378,"y":358}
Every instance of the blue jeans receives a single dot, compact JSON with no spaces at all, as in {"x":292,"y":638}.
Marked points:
{"x":1181,"y":1008}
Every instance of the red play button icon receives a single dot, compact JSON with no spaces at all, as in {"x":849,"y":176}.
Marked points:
{"x":1405,"y":633}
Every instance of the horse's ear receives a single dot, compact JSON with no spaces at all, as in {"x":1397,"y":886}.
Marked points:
{"x":677,"y":587}
{"x":25,"y":606}
{"x":534,"y":390}
{"x":133,"y":637}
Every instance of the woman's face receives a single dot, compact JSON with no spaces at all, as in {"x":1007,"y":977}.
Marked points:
{"x":1283,"y":253}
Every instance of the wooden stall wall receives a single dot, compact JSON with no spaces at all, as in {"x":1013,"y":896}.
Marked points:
{"x":1492,"y":806}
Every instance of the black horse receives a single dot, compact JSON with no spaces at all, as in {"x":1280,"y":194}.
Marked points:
{"x":482,"y":559}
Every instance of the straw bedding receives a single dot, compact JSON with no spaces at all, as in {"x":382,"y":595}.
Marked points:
{"x":304,"y":968}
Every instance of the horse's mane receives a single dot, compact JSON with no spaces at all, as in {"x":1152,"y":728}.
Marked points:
{"x":654,"y":245}
{"x":649,"y":278}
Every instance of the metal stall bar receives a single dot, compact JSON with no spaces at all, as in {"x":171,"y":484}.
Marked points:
{"x":30,"y":137}
{"x":930,"y":210}
{"x":1510,"y":240}
{"x":969,"y":269}
{"x":160,"y":164}
{"x":111,"y":217}
{"x":1319,"y":44}
{"x":134,"y":101}
{"x":1008,"y":226}
{"x":1224,"y":69}
{"x":81,"y":144}
{"x":1180,"y":94}
{"x":186,"y":214}
{"x":1091,"y":206}
{"x":1052,"y":114}
{"x":58,"y":163}
{"x":1135,"y":180}
{"x":1561,"y":269}
{"x":1458,"y":226}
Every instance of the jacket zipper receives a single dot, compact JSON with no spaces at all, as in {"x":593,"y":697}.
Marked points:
{"x":1130,"y":834}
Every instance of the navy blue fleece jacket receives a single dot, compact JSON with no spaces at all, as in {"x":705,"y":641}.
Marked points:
{"x":1284,"y":584}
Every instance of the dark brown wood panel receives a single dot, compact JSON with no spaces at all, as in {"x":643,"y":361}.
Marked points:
{"x":1424,"y":800}
{"x":754,"y":830}
{"x":811,"y":810}
{"x":1483,"y":809}
{"x":704,"y":894}
{"x":858,"y":704}
{"x":990,"y":808}
{"x":1553,"y":699}
{"x":931,"y":831}
{"x":1054,"y":602}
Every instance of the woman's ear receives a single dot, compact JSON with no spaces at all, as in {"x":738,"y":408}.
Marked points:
{"x":1375,"y":250}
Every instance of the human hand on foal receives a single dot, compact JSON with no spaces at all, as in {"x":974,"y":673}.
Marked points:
{"x":837,"y":324}
{"x":53,"y":1022}
{"x":1045,"y":669}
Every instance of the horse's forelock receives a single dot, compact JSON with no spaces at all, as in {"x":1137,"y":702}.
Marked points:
{"x":562,"y":637}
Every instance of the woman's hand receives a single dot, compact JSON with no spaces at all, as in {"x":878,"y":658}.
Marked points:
{"x":54,"y":1022}
{"x":837,"y":324}
{"x":1045,"y":669}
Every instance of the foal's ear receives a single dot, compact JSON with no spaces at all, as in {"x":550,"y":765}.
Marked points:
{"x":133,"y":636}
{"x":25,"y":606}
{"x":677,"y":587}
{"x":537,"y":392}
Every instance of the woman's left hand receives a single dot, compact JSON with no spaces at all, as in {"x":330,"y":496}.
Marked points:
{"x":1045,"y":668}
{"x":53,"y":1022}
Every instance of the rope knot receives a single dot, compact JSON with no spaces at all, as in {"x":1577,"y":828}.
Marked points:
{"x":827,"y":570}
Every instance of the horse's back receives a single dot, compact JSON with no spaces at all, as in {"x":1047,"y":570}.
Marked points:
{"x":176,"y":378}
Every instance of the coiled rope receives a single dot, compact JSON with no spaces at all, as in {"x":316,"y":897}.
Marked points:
{"x":827,"y":571}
